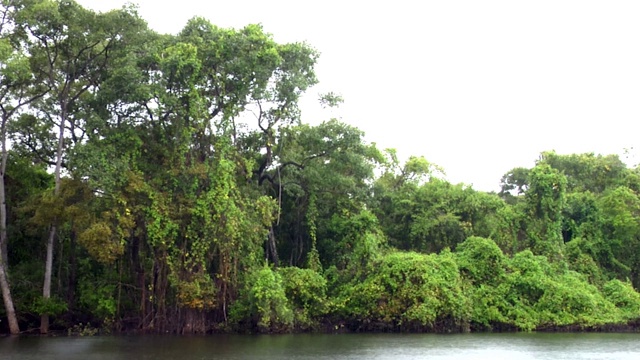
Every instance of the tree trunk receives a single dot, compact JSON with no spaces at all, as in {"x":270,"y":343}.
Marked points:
{"x":73,"y":272}
{"x":46,"y":288}
{"x":14,"y":329}
{"x":136,"y":264}
{"x":4,"y":256}
{"x":4,"y":247}
{"x":194,"y":322}
{"x":273,"y":249}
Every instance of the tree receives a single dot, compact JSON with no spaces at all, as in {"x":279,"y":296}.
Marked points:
{"x":17,"y":90}
{"x":317,"y":172}
{"x":421,"y":212}
{"x":621,"y":227}
{"x":516,"y":180}
{"x":70,"y":52}
{"x":170,"y":155}
{"x":588,"y":172}
{"x":545,"y":200}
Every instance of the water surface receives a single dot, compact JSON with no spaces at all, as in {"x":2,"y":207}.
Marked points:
{"x":325,"y":347}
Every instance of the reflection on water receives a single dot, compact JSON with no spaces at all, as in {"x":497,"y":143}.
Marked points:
{"x":317,"y":346}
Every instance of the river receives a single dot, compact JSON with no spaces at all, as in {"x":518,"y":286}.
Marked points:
{"x":520,"y":346}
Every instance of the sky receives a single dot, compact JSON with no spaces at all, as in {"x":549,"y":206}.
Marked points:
{"x":476,"y":87}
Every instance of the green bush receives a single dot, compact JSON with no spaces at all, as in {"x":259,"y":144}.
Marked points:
{"x":624,"y":297}
{"x":580,"y":261}
{"x":269,"y":302}
{"x":263,"y":303}
{"x":49,"y":306}
{"x":481,"y":260}
{"x":488,"y":305}
{"x":528,"y":276}
{"x":306,"y":291}
{"x":571,"y":300}
{"x":98,"y":299}
{"x":408,"y":289}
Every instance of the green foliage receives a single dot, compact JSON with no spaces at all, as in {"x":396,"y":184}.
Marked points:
{"x":514,"y":184}
{"x":529,"y":275}
{"x":587,"y":172}
{"x":545,"y":200}
{"x":528,"y":292}
{"x":580,"y":260}
{"x":313,"y":258}
{"x":582,"y":216}
{"x":619,"y":253}
{"x":306,"y":291}
{"x":26,"y":280}
{"x":331,"y":99}
{"x":506,"y":298}
{"x":98,"y":298}
{"x":623,"y":296}
{"x":570,"y":300}
{"x":490,"y":306}
{"x":408,"y":290}
{"x":268,"y":301}
{"x":197,"y":292}
{"x":168,"y":201}
{"x":356,"y":240}
{"x":433,"y":215}
{"x":50,"y":306}
{"x":98,"y":239}
{"x":481,"y":260}
{"x":325,"y":172}
{"x":508,"y":229}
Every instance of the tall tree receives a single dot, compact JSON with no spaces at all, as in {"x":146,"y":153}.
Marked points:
{"x":514,"y":184}
{"x":421,"y":212}
{"x":71,"y":52}
{"x":588,"y":172}
{"x":317,"y":172}
{"x":545,"y":199}
{"x":17,"y":90}
{"x":169,"y":155}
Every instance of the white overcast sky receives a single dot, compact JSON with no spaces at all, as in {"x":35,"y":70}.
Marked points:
{"x":477,"y":87}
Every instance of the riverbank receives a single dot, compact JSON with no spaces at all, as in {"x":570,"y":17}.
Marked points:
{"x":632,"y":326}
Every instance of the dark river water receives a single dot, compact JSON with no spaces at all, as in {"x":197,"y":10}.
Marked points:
{"x":315,"y":346}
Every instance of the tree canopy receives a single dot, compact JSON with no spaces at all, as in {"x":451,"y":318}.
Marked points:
{"x":167,"y":184}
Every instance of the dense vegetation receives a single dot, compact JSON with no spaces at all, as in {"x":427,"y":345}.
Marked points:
{"x":165,"y":183}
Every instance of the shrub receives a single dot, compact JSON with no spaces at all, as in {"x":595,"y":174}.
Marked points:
{"x":263,"y":302}
{"x":480,"y":260}
{"x":624,"y":297}
{"x":306,"y":291}
{"x":408,"y":289}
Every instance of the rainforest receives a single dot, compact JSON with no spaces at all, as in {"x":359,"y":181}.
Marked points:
{"x":159,"y":183}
